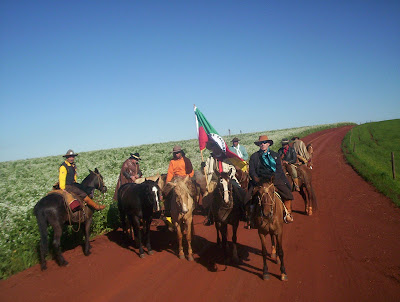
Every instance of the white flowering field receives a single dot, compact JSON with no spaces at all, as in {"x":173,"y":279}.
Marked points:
{"x":24,"y":182}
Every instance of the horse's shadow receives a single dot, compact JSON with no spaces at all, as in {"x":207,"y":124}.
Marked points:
{"x":161,"y":240}
{"x":206,"y":253}
{"x":211,"y":256}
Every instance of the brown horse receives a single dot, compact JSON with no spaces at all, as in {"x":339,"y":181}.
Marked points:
{"x":269,"y":221}
{"x":180,"y":192}
{"x":306,"y":189}
{"x":225,"y":209}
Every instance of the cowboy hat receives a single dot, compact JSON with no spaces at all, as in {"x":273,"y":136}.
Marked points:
{"x":177,"y":149}
{"x":135,"y":156}
{"x":285,"y":141}
{"x":70,"y":153}
{"x":235,"y":139}
{"x":264,"y":138}
{"x":294,"y":137}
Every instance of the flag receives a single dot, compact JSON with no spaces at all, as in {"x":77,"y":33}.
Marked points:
{"x":206,"y":132}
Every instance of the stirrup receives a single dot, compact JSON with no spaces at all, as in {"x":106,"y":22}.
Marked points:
{"x":288,"y":218}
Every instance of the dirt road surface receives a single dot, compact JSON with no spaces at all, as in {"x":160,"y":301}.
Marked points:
{"x":347,"y":251}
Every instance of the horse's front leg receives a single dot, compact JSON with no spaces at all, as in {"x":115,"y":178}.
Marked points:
{"x":235,"y":256}
{"x":189,"y":222}
{"x":264,"y":255}
{"x":87,"y":225}
{"x":181,"y":255}
{"x":280,"y":254}
{"x":147,"y":236}
{"x":224,"y":235}
{"x":273,"y":247}
{"x":138,"y":235}
{"x":218,"y":229}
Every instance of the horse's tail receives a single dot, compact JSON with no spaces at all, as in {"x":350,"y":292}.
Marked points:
{"x":42,"y":224}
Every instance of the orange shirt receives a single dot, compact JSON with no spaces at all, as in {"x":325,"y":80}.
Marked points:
{"x":177,"y":167}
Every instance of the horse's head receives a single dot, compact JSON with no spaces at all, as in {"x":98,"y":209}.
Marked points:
{"x":98,"y":182}
{"x":154,"y":193}
{"x":224,"y":186}
{"x":179,"y":190}
{"x":265,"y":195}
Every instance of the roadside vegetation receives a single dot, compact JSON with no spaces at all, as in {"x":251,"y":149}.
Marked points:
{"x":368,"y":149}
{"x":24,"y":182}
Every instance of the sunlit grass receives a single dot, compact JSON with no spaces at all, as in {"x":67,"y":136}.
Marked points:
{"x":24,"y":182}
{"x":368,"y":149}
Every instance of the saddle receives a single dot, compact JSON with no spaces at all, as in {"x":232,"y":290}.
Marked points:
{"x":72,"y":203}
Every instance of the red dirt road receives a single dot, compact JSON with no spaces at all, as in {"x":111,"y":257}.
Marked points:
{"x":347,"y":251}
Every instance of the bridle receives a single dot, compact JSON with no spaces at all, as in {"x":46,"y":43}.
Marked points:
{"x":222,"y":190}
{"x":271,"y":204}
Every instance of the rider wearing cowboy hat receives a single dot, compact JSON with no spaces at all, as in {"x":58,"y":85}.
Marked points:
{"x":67,"y":180}
{"x":179,"y":166}
{"x":289,"y":158}
{"x":130,"y":172}
{"x":239,"y":150}
{"x":265,"y":164}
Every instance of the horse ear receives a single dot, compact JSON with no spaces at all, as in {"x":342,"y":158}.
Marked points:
{"x":96,"y":171}
{"x":90,"y":171}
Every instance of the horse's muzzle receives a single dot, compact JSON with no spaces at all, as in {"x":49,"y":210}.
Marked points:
{"x":103,"y":189}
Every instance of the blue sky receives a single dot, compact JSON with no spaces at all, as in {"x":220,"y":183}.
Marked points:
{"x":92,"y":75}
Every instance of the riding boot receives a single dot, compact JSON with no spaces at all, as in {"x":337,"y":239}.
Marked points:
{"x":93,"y":204}
{"x":296,"y":184}
{"x":209,"y":219}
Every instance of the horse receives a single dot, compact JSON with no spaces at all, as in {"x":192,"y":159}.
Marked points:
{"x":269,"y":221}
{"x":137,"y":202}
{"x":180,"y":192}
{"x":306,"y":189}
{"x":225,"y":209}
{"x":52,"y":210}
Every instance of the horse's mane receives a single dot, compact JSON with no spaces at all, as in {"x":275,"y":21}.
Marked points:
{"x":179,"y":185}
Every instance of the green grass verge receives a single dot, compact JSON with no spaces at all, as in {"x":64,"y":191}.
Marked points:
{"x":368,"y":149}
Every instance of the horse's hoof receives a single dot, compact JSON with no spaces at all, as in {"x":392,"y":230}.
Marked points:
{"x":43,"y":267}
{"x":87,"y":253}
{"x":64,"y":263}
{"x":190,"y":258}
{"x":266,"y":277}
{"x":150,"y":252}
{"x":142,"y":256}
{"x":273,"y":256}
{"x":284,"y":277}
{"x":310,"y":212}
{"x":235,"y":260}
{"x":181,"y":256}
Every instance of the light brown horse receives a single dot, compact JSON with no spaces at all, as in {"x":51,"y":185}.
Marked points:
{"x":304,"y":175}
{"x":180,"y":191}
{"x":269,"y":221}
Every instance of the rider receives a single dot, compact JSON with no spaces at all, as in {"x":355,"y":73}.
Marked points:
{"x":266,"y":164}
{"x":217,"y":161}
{"x":179,"y":166}
{"x":289,"y":159}
{"x":301,"y":150}
{"x":130,"y":172}
{"x":239,"y":150}
{"x":67,"y":180}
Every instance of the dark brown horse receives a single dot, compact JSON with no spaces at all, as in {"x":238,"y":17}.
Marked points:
{"x":225,"y":209}
{"x":52,"y":210}
{"x":137,"y":202}
{"x":269,"y":221}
